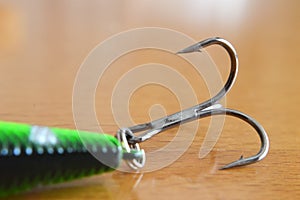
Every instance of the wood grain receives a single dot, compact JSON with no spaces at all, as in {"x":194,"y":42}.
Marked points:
{"x":43,"y":43}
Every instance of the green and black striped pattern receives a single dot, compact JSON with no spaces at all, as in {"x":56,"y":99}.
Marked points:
{"x":35,"y":155}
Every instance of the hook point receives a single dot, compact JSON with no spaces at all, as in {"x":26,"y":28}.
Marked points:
{"x":194,"y":48}
{"x":231,"y":165}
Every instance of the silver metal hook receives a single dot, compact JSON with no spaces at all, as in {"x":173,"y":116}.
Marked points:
{"x":205,"y":109}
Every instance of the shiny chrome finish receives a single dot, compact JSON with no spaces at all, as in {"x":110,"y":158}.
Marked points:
{"x":205,"y":109}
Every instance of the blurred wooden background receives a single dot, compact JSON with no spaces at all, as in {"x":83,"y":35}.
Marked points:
{"x":43,"y":44}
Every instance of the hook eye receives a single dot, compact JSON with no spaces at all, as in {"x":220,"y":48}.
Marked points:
{"x":134,"y":156}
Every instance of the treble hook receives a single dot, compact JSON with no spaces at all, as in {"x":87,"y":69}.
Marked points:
{"x":205,"y":109}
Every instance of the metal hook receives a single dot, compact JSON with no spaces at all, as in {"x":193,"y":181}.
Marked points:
{"x":205,"y":109}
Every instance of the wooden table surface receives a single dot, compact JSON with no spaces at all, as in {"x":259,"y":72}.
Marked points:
{"x":44,"y":43}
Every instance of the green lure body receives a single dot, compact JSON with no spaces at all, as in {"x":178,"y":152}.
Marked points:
{"x":35,"y":155}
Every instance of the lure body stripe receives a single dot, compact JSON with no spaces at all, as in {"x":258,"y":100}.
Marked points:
{"x":34,"y":155}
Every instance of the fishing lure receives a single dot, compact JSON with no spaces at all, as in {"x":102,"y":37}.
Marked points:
{"x":37,"y":155}
{"x":33,"y":155}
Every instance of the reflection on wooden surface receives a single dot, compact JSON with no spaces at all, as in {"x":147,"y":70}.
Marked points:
{"x":42,"y":45}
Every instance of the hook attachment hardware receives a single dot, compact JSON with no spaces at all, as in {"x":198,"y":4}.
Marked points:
{"x":205,"y":109}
